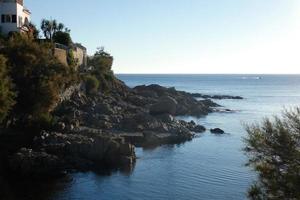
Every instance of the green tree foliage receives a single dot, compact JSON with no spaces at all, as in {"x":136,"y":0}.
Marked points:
{"x":274,"y":152}
{"x":72,"y":62}
{"x":34,"y":31}
{"x":62,"y":37}
{"x":91,"y":84}
{"x":101,"y":61}
{"x":6,"y":94}
{"x":38,"y":76}
{"x":50,"y":27}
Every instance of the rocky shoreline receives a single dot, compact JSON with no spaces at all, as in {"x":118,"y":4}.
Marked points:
{"x":103,"y":129}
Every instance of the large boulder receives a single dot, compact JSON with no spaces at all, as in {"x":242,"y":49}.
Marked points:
{"x":165,"y":105}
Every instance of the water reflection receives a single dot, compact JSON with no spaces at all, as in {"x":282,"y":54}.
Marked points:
{"x":14,"y":188}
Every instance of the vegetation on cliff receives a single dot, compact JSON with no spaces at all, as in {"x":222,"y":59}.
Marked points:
{"x":38,"y":77}
{"x":101,"y":63}
{"x":274,"y":152}
{"x":6,"y":93}
{"x":50,"y":28}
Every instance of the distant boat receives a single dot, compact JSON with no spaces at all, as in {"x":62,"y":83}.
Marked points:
{"x":252,"y":77}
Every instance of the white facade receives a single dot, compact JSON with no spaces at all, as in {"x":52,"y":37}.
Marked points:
{"x":14,"y":16}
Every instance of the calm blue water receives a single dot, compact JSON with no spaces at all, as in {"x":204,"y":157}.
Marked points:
{"x":209,"y":167}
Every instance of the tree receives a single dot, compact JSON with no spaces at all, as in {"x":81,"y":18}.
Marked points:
{"x":33,"y":30}
{"x":273,"y":148}
{"x":50,"y":27}
{"x":101,"y":61}
{"x":38,"y":76}
{"x":6,"y":93}
{"x":62,"y":38}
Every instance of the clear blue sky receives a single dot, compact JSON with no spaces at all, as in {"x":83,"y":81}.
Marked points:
{"x":184,"y":36}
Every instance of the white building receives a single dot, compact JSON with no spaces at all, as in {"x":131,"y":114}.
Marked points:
{"x":14,"y":16}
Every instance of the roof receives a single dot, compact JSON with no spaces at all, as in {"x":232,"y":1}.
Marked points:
{"x":80,"y":46}
{"x":26,"y":10}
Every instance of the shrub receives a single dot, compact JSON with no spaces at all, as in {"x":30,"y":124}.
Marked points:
{"x":6,"y":94}
{"x":42,"y":121}
{"x":72,"y":62}
{"x":62,"y":38}
{"x":91,"y":84}
{"x":101,"y":61}
{"x":273,"y":148}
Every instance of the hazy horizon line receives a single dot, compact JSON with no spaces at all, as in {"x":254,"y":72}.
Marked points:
{"x":246,"y":74}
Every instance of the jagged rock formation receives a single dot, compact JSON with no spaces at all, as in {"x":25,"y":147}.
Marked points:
{"x":143,"y":109}
{"x":54,"y":153}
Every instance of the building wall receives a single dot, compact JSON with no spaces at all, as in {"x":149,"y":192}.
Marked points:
{"x":23,"y":15}
{"x":9,"y":8}
{"x":61,"y":55}
{"x":80,"y":56}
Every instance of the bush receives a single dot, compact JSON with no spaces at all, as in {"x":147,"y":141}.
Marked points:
{"x":274,"y":152}
{"x":72,"y":62}
{"x":101,"y":61}
{"x":38,"y":76}
{"x":42,"y":121}
{"x":91,"y":84}
{"x":6,"y":94}
{"x":62,"y":38}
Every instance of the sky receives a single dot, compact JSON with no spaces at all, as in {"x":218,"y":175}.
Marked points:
{"x":184,"y":36}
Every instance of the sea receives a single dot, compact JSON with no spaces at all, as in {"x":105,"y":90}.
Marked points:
{"x":210,"y":167}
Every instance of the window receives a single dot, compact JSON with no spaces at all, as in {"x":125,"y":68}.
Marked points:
{"x":7,"y":18}
{"x":14,"y":18}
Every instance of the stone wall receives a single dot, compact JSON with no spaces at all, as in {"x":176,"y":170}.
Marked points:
{"x":80,"y":56}
{"x":61,"y":55}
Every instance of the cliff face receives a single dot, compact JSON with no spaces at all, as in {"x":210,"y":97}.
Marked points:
{"x":93,"y":130}
{"x":100,"y":129}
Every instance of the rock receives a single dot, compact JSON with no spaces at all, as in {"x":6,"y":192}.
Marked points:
{"x":217,"y":131}
{"x":36,"y":164}
{"x":141,"y":109}
{"x":165,"y":105}
{"x":219,"y":97}
{"x":104,"y":108}
{"x":60,"y":126}
{"x":137,"y":100}
{"x":166,"y":118}
{"x":198,"y":129}
{"x":94,"y":148}
{"x":104,"y":118}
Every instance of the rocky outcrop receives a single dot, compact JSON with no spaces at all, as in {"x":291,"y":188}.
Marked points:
{"x":217,"y":131}
{"x":218,"y":97}
{"x":142,"y":109}
{"x":186,"y":103}
{"x":165,"y":105}
{"x":53,"y":153}
{"x":29,"y":163}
